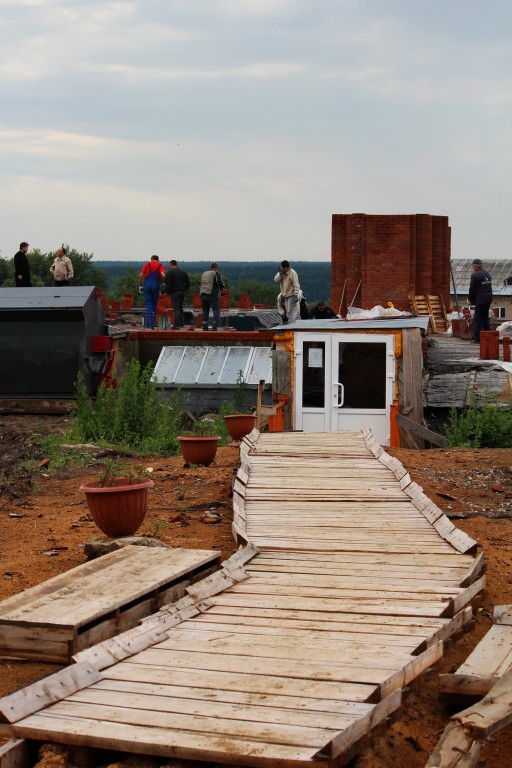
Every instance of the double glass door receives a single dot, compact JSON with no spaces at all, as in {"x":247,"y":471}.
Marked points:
{"x":344,"y":381}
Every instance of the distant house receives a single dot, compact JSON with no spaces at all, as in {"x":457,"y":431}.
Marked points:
{"x":501,"y":271}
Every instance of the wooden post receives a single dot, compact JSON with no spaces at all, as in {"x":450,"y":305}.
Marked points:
{"x":394,"y":433}
{"x":261,"y":387}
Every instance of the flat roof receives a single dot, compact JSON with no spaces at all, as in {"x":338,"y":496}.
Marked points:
{"x":66,"y":297}
{"x":381,"y":324}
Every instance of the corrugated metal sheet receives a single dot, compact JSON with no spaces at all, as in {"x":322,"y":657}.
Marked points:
{"x":499,"y":269}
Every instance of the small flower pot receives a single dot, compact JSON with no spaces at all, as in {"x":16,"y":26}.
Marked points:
{"x":118,"y":510}
{"x":240,"y":424}
{"x":199,"y":450}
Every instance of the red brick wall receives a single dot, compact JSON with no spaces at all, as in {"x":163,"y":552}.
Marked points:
{"x":376,"y":259}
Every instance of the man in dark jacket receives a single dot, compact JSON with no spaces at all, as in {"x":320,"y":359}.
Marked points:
{"x":322,"y":312}
{"x":22,"y":267}
{"x":480,"y":294}
{"x":177,"y":283}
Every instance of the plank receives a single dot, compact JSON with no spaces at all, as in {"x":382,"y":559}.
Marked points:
{"x":206,"y":707}
{"x":369,"y":606}
{"x":293,"y":647}
{"x":303,"y":704}
{"x":266,"y":732}
{"x":166,"y":742}
{"x":28,"y":700}
{"x":313,"y":670}
{"x":18,"y":753}
{"x":264,"y":683}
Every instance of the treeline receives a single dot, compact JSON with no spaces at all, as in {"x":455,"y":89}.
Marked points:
{"x":116,"y":278}
{"x":253,"y":277}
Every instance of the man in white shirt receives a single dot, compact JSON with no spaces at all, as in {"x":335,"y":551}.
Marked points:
{"x":288,"y":281}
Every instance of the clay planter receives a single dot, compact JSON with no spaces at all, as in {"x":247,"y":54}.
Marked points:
{"x":199,"y":450}
{"x":118,"y":510}
{"x":240,"y":424}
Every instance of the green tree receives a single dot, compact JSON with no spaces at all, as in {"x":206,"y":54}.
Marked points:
{"x":128,"y":282}
{"x":259,"y":293}
{"x":85,"y":273}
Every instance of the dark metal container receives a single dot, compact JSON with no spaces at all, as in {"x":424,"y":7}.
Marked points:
{"x":46,"y":340}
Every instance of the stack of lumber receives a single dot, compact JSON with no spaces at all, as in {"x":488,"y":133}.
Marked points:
{"x":349,"y":581}
{"x":96,"y":600}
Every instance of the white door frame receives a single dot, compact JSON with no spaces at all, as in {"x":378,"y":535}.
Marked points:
{"x":331,"y":416}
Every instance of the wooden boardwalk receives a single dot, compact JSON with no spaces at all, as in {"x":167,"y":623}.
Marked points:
{"x":347,"y":581}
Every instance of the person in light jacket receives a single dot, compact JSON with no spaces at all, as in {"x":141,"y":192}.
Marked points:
{"x":62,"y":268}
{"x":288,"y":281}
{"x":209,"y":289}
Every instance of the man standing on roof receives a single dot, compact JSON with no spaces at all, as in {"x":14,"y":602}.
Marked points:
{"x":480,"y":294}
{"x":22,"y":267}
{"x":210,"y":288}
{"x":288,"y":281}
{"x":62,"y":268}
{"x":149,"y":284}
{"x":177,"y":283}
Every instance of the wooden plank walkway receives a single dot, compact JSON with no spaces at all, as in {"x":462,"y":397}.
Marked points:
{"x":347,"y":581}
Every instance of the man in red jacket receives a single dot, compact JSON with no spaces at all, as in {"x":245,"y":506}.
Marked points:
{"x":149,"y":280}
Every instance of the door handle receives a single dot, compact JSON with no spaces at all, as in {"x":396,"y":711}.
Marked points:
{"x":341,"y":394}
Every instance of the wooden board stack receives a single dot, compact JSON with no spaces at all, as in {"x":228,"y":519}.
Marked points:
{"x":348,"y":581}
{"x":96,"y":600}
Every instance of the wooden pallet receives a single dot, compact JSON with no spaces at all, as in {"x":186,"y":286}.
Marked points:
{"x":96,"y":600}
{"x":297,"y":648}
{"x":433,"y":306}
{"x":489,"y":661}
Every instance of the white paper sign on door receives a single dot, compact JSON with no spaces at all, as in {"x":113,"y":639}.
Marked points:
{"x":315,"y":358}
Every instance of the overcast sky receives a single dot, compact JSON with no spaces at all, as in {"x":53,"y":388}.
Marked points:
{"x":234,"y":129}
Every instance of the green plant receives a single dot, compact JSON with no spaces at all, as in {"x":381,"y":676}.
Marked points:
{"x":240,"y":394}
{"x":133,"y":415}
{"x":489,"y":426}
{"x":156,"y":528}
{"x":201,"y":429}
{"x":181,"y":493}
{"x":112,"y":472}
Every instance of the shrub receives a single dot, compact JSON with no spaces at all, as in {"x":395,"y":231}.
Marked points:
{"x":132,"y":415}
{"x":487,"y":427}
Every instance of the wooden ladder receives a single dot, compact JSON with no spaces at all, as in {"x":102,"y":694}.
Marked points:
{"x":433,"y":306}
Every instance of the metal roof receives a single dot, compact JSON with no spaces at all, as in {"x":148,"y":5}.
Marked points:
{"x":213,"y":366}
{"x":359,"y":325}
{"x":499,"y":269}
{"x":66,"y":297}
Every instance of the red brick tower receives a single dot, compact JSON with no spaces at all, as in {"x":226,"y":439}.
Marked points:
{"x":376,"y":259}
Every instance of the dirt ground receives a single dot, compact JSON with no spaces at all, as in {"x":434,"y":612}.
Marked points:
{"x":43,"y":531}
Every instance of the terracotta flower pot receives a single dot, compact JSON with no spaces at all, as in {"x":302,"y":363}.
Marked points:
{"x":240,"y":424}
{"x":199,"y":450}
{"x":118,"y":510}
